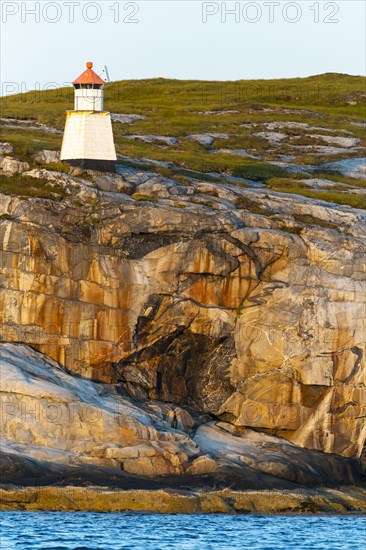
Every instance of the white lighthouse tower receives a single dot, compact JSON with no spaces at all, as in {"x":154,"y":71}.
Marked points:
{"x":88,"y":137}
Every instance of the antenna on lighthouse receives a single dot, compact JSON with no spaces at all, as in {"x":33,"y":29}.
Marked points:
{"x":105,"y":74}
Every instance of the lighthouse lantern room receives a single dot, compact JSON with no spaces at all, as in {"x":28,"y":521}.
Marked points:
{"x":88,"y":137}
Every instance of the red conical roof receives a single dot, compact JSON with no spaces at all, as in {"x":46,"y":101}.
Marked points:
{"x":89,"y":76}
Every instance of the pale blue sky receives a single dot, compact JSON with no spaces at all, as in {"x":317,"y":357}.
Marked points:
{"x":171,"y":40}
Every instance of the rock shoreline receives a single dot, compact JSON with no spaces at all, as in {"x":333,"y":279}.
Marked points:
{"x":97,"y":499}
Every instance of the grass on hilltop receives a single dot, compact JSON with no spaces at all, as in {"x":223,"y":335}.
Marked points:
{"x":325,"y":95}
{"x":180,"y":108}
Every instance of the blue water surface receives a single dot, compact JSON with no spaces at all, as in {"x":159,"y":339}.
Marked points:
{"x":96,"y":531}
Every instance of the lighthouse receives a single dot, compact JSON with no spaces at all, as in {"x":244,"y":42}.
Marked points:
{"x":88,"y":137}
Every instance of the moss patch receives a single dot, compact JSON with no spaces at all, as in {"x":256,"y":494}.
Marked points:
{"x":25,"y":186}
{"x":253,"y":206}
{"x":144,"y":197}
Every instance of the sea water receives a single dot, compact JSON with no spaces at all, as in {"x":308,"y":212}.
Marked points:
{"x":95,"y":531}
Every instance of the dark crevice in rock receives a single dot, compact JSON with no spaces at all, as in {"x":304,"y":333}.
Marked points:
{"x":359,"y":354}
{"x":250,"y":252}
{"x":190,"y":369}
{"x":138,"y":246}
{"x":312,"y":393}
{"x":339,"y":410}
{"x":260,"y":299}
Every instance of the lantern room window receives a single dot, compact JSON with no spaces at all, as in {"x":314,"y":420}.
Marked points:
{"x":88,"y":86}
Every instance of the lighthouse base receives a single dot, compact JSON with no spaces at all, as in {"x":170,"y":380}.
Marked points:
{"x":88,"y":141}
{"x":93,"y":164}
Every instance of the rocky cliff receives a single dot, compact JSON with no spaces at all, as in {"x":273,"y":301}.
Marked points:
{"x":58,"y":428}
{"x":240,"y":303}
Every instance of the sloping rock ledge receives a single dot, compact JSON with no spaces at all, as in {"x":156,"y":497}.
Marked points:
{"x":70,"y":443}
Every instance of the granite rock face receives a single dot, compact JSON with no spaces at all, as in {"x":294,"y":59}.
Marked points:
{"x":54,"y":424}
{"x":238,"y":303}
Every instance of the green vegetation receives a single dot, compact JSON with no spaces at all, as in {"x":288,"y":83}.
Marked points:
{"x":57,"y":167}
{"x":337,"y":178}
{"x":308,"y":219}
{"x":25,"y":186}
{"x":144,"y":197}
{"x":28,"y":142}
{"x":210,"y":204}
{"x":283,"y":183}
{"x":298,"y":188}
{"x":253,"y":206}
{"x":200,"y":161}
{"x":6,"y":217}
